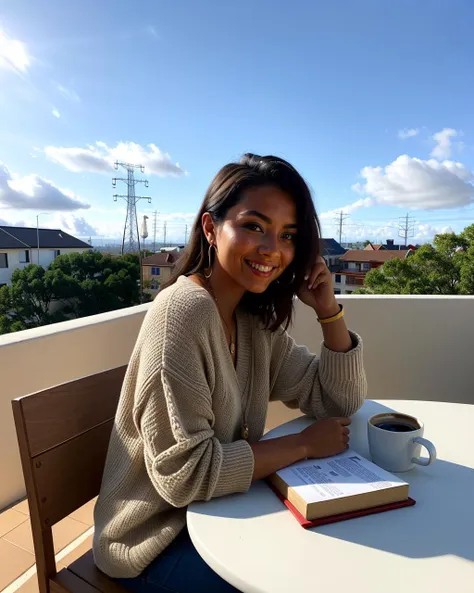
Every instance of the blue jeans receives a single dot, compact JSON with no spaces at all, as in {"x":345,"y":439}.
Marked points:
{"x":178,"y":569}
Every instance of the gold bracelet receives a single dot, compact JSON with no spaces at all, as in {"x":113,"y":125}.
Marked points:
{"x":334,"y":317}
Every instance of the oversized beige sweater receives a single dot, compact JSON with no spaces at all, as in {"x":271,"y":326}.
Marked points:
{"x":177,"y":433}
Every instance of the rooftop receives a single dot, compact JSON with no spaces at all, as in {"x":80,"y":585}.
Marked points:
{"x":162,"y":259}
{"x":15,"y":237}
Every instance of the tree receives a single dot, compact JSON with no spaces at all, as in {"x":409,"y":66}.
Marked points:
{"x":444,"y":268}
{"x":93,"y":282}
{"x":26,"y":303}
{"x":74,"y":285}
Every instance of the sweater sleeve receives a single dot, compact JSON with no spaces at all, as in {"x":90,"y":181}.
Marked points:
{"x":174,"y":414}
{"x":332,"y":385}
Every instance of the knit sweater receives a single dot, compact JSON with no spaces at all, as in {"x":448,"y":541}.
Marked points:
{"x":177,"y":432}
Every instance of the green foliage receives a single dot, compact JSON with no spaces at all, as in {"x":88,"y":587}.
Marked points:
{"x":74,"y":285}
{"x":444,"y":268}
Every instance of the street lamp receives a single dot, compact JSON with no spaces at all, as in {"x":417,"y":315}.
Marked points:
{"x":38,"y":234}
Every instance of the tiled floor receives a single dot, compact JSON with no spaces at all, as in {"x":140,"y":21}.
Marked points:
{"x":16,"y":543}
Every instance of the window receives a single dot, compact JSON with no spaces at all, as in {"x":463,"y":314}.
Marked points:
{"x":337,"y":291}
{"x":25,"y":257}
{"x":366,"y":266}
{"x":337,"y":278}
{"x":57,"y":253}
{"x":346,"y":265}
{"x":3,"y":260}
{"x":155,"y":271}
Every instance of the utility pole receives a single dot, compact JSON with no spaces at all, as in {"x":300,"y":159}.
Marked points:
{"x":185,"y":234}
{"x":131,"y":237}
{"x":340,"y":219}
{"x":406,"y":228}
{"x":155,"y":216}
{"x":164,"y":234}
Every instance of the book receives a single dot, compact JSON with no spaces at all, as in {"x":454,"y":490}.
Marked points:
{"x":307,"y":523}
{"x":342,"y":484}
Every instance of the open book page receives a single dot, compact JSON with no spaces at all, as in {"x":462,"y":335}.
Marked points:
{"x":343,"y":475}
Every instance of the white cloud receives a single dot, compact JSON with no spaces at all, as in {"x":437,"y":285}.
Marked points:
{"x":56,"y":113}
{"x":408,"y":133}
{"x":100,"y":158}
{"x":418,"y":184}
{"x":13,"y":54}
{"x":442,"y":150}
{"x":67,"y":93}
{"x":348,"y":209}
{"x":35,"y":193}
{"x":76,"y":225}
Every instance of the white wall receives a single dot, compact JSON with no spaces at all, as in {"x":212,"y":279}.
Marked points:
{"x":415,"y":348}
{"x":13,"y":264}
{"x":46,"y":257}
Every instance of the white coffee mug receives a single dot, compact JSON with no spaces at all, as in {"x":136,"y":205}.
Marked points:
{"x":395,"y":442}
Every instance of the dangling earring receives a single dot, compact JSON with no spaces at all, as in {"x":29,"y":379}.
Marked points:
{"x":209,"y":256}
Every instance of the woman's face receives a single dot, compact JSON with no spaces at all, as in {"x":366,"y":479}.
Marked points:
{"x":256,"y":241}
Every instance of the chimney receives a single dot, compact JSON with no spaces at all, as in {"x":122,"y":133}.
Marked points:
{"x":390,"y":242}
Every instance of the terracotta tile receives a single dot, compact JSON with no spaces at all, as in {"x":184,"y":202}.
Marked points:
{"x":31,"y":586}
{"x":77,"y":552}
{"x":22,"y":507}
{"x":13,"y":562}
{"x":85,"y":514}
{"x":11,"y":519}
{"x":65,"y":532}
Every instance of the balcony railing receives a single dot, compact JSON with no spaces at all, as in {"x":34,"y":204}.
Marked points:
{"x":415,"y":348}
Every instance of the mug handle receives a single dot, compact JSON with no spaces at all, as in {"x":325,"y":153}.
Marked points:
{"x":429,"y":447}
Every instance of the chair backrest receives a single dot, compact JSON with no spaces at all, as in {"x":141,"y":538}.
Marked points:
{"x":63,"y":434}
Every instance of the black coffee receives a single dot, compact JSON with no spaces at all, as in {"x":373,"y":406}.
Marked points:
{"x":395,"y":427}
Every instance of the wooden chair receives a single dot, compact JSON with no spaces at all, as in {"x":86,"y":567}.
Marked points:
{"x":63,"y":433}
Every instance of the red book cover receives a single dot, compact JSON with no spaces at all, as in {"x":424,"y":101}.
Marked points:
{"x":306,"y":523}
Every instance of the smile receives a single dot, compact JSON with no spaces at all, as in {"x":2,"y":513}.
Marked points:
{"x":260,"y":269}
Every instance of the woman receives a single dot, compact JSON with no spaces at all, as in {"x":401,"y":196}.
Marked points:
{"x":212,"y":352}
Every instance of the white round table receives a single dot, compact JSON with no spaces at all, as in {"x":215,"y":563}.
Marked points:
{"x":253,"y":542}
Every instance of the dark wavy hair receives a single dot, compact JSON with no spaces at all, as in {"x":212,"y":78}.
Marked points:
{"x":274,"y":306}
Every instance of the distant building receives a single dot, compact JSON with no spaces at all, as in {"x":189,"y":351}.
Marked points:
{"x":21,"y":246}
{"x":357,"y":262}
{"x":389,"y":246}
{"x":157,"y":269}
{"x":332,"y":251}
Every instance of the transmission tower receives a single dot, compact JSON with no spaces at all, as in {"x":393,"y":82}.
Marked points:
{"x":131,"y":238}
{"x":406,"y":228}
{"x":155,"y":217}
{"x":340,"y":218}
{"x":164,"y":234}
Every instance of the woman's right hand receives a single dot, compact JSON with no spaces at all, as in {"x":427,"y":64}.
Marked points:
{"x":325,"y":438}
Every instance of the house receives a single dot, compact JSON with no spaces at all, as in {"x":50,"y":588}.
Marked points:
{"x":331,"y":251}
{"x":157,"y":269}
{"x":389,"y":245}
{"x":21,"y":246}
{"x":357,"y":262}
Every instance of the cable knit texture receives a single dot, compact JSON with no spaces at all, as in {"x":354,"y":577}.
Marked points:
{"x":177,"y":432}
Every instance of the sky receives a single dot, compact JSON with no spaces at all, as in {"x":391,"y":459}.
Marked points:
{"x":370,"y":100}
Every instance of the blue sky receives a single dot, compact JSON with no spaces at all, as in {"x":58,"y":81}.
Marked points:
{"x":371,"y":100}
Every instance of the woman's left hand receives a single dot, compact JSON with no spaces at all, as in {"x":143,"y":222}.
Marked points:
{"x":317,"y":291}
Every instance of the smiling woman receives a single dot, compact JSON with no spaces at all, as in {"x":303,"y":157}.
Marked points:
{"x":258,"y":225}
{"x":212,"y":352}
